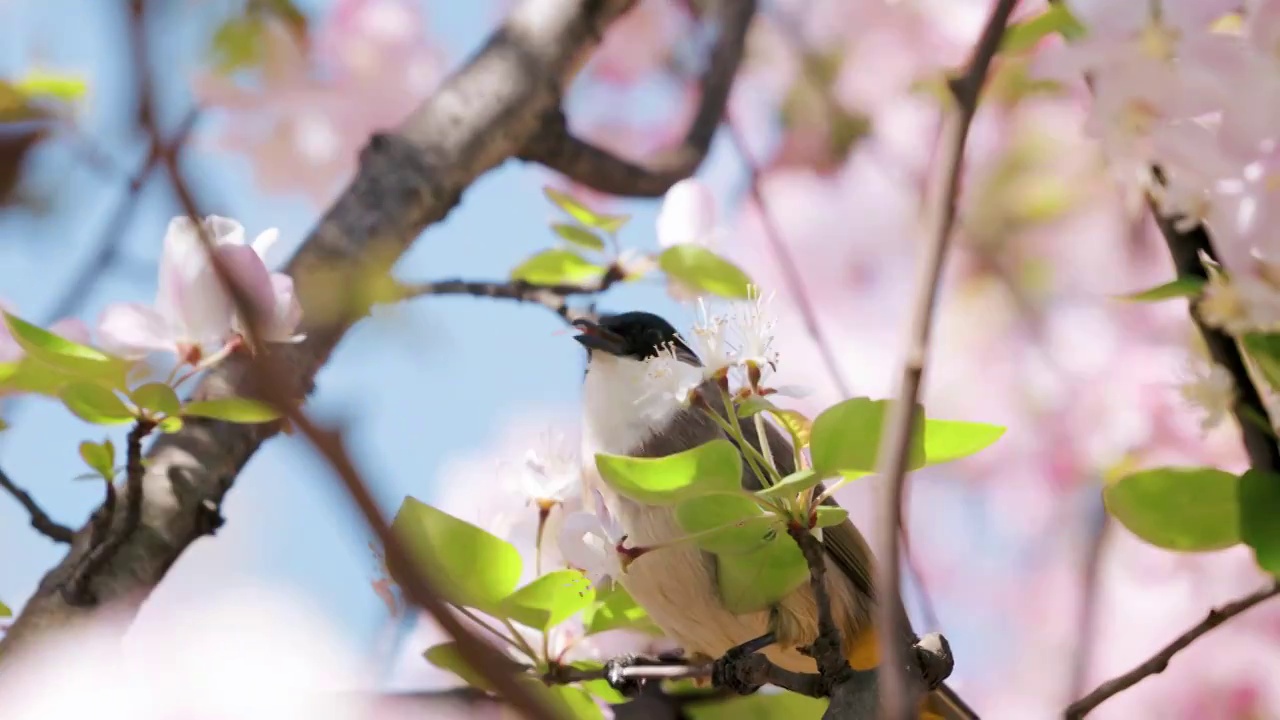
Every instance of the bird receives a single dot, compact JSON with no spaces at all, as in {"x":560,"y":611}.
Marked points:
{"x":676,"y":585}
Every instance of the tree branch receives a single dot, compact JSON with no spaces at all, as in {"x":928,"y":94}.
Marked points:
{"x":555,"y":146}
{"x":896,"y":443}
{"x":1158,"y":662}
{"x":484,"y":113}
{"x":41,"y":521}
{"x":1185,"y":247}
{"x":553,"y":297}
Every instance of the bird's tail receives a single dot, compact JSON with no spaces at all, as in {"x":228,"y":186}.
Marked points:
{"x":945,"y":704}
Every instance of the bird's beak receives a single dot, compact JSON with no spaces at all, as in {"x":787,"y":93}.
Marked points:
{"x":596,"y":337}
{"x":685,"y":355}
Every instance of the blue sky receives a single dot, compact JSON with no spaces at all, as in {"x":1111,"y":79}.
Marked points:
{"x":411,"y":395}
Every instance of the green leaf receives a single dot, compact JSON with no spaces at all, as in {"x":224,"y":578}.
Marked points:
{"x":37,"y":83}
{"x":32,"y":376}
{"x":793,"y":421}
{"x":703,"y":270}
{"x":239,"y":43}
{"x":1259,"y":508}
{"x":1025,"y":35}
{"x":791,"y":485}
{"x":576,"y":703}
{"x":78,"y":360}
{"x":599,"y":688}
{"x":1178,"y":508}
{"x":94,"y":403}
{"x":579,"y":236}
{"x":1264,"y":348}
{"x":156,"y":398}
{"x":742,"y":525}
{"x":1182,"y":287}
{"x":232,"y":409}
{"x":947,"y":440}
{"x":171,"y":424}
{"x":472,"y":567}
{"x":846,"y":437}
{"x":714,"y":466}
{"x":758,"y":580}
{"x":774,"y":706}
{"x":615,"y":609}
{"x":6,"y":612}
{"x":584,"y":214}
{"x":549,"y":600}
{"x":101,"y":457}
{"x":755,"y":404}
{"x":446,"y":657}
{"x":557,"y":267}
{"x":828,"y":516}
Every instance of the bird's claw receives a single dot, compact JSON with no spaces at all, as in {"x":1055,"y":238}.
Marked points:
{"x":740,"y":670}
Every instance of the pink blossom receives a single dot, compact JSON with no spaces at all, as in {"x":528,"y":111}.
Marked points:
{"x":193,"y":314}
{"x":688,"y":215}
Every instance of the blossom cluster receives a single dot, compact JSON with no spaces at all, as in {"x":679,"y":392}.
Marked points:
{"x":1186,"y":106}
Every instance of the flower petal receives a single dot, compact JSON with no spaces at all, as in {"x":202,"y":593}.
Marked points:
{"x":287,"y":312}
{"x":251,"y":276}
{"x":132,"y":330}
{"x":688,"y":214}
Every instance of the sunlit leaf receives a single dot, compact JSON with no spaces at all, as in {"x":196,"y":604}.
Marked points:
{"x":792,"y":485}
{"x":39,"y":83}
{"x":549,"y":600}
{"x":5,"y":611}
{"x":846,"y":437}
{"x":557,"y":267}
{"x":615,"y":609}
{"x":583,"y":214}
{"x":828,"y":516}
{"x":947,"y":440}
{"x":156,"y":398}
{"x":81,"y":361}
{"x":576,"y":702}
{"x":758,"y":580}
{"x":94,"y":403}
{"x":599,"y":688}
{"x":472,"y":567}
{"x":699,"y":268}
{"x":714,"y":466}
{"x":579,"y":236}
{"x":1057,"y":19}
{"x":171,"y":424}
{"x":1178,"y":508}
{"x":732,"y":523}
{"x":239,"y":43}
{"x":1259,"y":508}
{"x":101,"y":457}
{"x":232,"y":409}
{"x":1182,"y":287}
{"x":446,"y":657}
{"x":760,"y":706}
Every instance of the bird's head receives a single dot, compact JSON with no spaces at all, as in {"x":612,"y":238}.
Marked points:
{"x":634,"y":335}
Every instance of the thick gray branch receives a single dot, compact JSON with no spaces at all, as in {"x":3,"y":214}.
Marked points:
{"x":557,"y":148}
{"x":483,"y":114}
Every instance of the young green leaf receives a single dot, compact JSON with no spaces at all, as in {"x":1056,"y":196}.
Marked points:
{"x":828,"y":515}
{"x":1259,"y":508}
{"x":1189,"y":286}
{"x":583,"y":214}
{"x":947,"y":440}
{"x":5,"y":611}
{"x":758,"y":580}
{"x":733,"y":523}
{"x":576,"y":703}
{"x":557,"y":267}
{"x":239,"y":43}
{"x":37,"y":83}
{"x":446,"y":657}
{"x":232,"y":409}
{"x":755,"y":404}
{"x":715,"y":466}
{"x":791,"y":485}
{"x":793,"y":421}
{"x":473,"y":568}
{"x":80,"y":361}
{"x":171,"y":424}
{"x":1264,"y":348}
{"x":846,"y":437}
{"x":774,"y":706}
{"x":100,"y":457}
{"x":1020,"y":37}
{"x":549,"y":600}
{"x":156,"y":398}
{"x":701,"y":269}
{"x":94,"y":403}
{"x":615,"y":609}
{"x":32,"y":376}
{"x":579,"y":236}
{"x":1178,"y":508}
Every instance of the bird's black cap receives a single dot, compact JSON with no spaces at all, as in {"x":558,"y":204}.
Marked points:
{"x":638,"y":335}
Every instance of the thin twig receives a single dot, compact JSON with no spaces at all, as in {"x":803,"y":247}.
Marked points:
{"x":557,"y":148}
{"x":1158,"y":662}
{"x":107,"y":538}
{"x":1099,"y":524}
{"x":553,"y":297}
{"x":40,"y":520}
{"x":896,"y":444}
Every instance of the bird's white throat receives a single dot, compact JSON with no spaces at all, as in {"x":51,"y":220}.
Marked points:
{"x":612,"y":418}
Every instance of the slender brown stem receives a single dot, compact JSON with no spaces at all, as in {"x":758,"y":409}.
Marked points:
{"x":40,"y":520}
{"x":895,"y":447}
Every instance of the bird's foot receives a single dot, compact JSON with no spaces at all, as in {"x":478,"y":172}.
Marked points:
{"x":933,"y":653}
{"x":742,"y":669}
